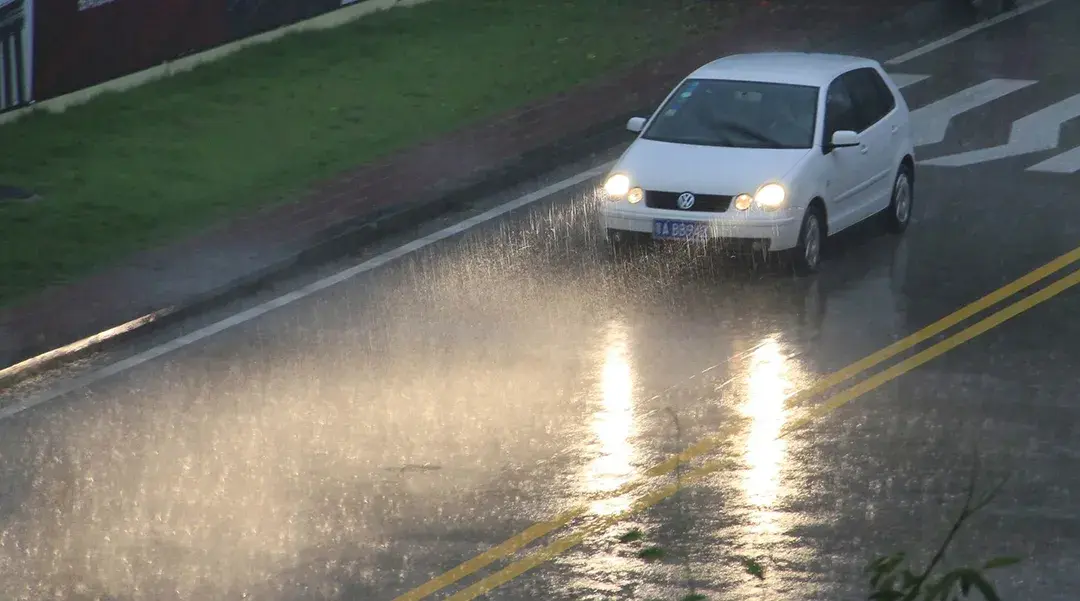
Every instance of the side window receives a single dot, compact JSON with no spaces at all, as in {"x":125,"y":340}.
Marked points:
{"x":885,"y":93}
{"x":871,"y":105}
{"x":839,"y":109}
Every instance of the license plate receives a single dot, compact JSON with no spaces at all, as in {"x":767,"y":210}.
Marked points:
{"x":679,"y":230}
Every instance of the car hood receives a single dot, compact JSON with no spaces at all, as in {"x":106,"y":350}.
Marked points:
{"x":705,"y":169}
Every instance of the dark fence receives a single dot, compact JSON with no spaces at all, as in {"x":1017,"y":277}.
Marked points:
{"x":14,"y":55}
{"x":81,"y":43}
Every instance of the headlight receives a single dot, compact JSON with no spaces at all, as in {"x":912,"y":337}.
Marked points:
{"x":617,"y":185}
{"x":770,"y":196}
{"x":635,"y":195}
{"x":743,"y":201}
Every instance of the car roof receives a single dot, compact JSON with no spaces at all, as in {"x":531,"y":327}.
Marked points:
{"x":803,"y":68}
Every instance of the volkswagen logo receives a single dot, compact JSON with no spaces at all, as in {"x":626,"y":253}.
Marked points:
{"x":685,"y":200}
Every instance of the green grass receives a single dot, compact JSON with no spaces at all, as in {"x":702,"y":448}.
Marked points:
{"x":137,"y":169}
{"x":632,"y":536}
{"x":652,"y":554}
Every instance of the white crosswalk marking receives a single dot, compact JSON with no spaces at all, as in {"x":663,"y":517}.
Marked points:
{"x":932,"y":121}
{"x":1036,"y":132}
{"x":1066,"y":162}
{"x":904,"y":80}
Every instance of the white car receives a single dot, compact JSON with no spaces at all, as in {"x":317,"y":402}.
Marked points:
{"x":774,"y":151}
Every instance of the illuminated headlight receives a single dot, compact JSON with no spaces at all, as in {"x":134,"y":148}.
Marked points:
{"x":635,"y":195}
{"x":770,"y":196}
{"x":743,"y":201}
{"x":617,"y":185}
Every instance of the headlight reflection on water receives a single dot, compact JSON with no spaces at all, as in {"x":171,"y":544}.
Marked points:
{"x":613,"y":423}
{"x":764,"y":452}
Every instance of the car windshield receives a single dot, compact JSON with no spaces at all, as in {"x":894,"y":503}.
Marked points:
{"x":737,"y":114}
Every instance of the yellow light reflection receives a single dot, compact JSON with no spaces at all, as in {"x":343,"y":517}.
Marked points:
{"x":613,"y":423}
{"x":764,"y":452}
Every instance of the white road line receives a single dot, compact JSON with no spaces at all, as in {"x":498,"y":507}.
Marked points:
{"x":931,"y":122}
{"x":963,"y":33}
{"x":291,"y":297}
{"x":1036,"y":132}
{"x":375,"y":262}
{"x":1066,"y":162}
{"x":903,"y":80}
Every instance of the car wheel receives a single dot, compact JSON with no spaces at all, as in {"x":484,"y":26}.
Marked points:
{"x":807,"y":254}
{"x":624,"y":243}
{"x":898,"y":215}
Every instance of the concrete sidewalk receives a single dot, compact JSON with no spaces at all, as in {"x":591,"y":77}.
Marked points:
{"x":167,"y":284}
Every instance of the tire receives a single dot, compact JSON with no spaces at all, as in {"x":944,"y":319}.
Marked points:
{"x":898,"y":215}
{"x":807,"y":253}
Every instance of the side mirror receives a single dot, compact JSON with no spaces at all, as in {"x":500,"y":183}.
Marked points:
{"x":636,"y":124}
{"x":844,"y":139}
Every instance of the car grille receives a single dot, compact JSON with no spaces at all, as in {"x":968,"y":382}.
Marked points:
{"x":712,"y":203}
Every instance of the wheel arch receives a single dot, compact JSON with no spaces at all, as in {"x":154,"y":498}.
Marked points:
{"x":908,"y":162}
{"x":818,"y":203}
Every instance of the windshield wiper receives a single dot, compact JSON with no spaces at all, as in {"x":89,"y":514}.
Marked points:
{"x":725,"y":143}
{"x":753,"y":133}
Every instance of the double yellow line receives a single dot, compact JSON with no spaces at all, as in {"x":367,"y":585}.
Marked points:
{"x":707,"y":444}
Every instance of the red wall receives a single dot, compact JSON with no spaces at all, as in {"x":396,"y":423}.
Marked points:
{"x":75,"y":49}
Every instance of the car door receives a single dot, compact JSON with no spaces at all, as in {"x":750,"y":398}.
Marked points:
{"x":845,"y":168}
{"x":896,"y":123}
{"x":875,"y":133}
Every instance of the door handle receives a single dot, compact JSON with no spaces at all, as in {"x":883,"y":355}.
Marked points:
{"x":895,"y":128}
{"x":863,"y":149}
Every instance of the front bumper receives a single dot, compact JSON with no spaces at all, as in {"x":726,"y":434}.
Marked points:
{"x":779,"y":231}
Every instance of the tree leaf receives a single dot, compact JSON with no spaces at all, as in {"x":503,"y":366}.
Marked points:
{"x":893,"y":562}
{"x":632,"y":536}
{"x":874,"y":565}
{"x":651,"y":554}
{"x":909,"y":579}
{"x":884,"y":566}
{"x":965,"y":585}
{"x":1001,"y":562}
{"x":753,"y":567}
{"x":888,"y":583}
{"x":985,"y":588}
{"x":939,"y":591}
{"x":885,"y":596}
{"x":877,"y":564}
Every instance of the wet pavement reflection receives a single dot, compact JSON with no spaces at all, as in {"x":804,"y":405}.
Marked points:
{"x":614,"y":425}
{"x":359,"y":442}
{"x":765,"y":453}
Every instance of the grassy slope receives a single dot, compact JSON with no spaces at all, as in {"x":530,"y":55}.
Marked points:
{"x":136,"y":169}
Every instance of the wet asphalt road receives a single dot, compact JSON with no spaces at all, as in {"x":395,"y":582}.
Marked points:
{"x":355,"y":443}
